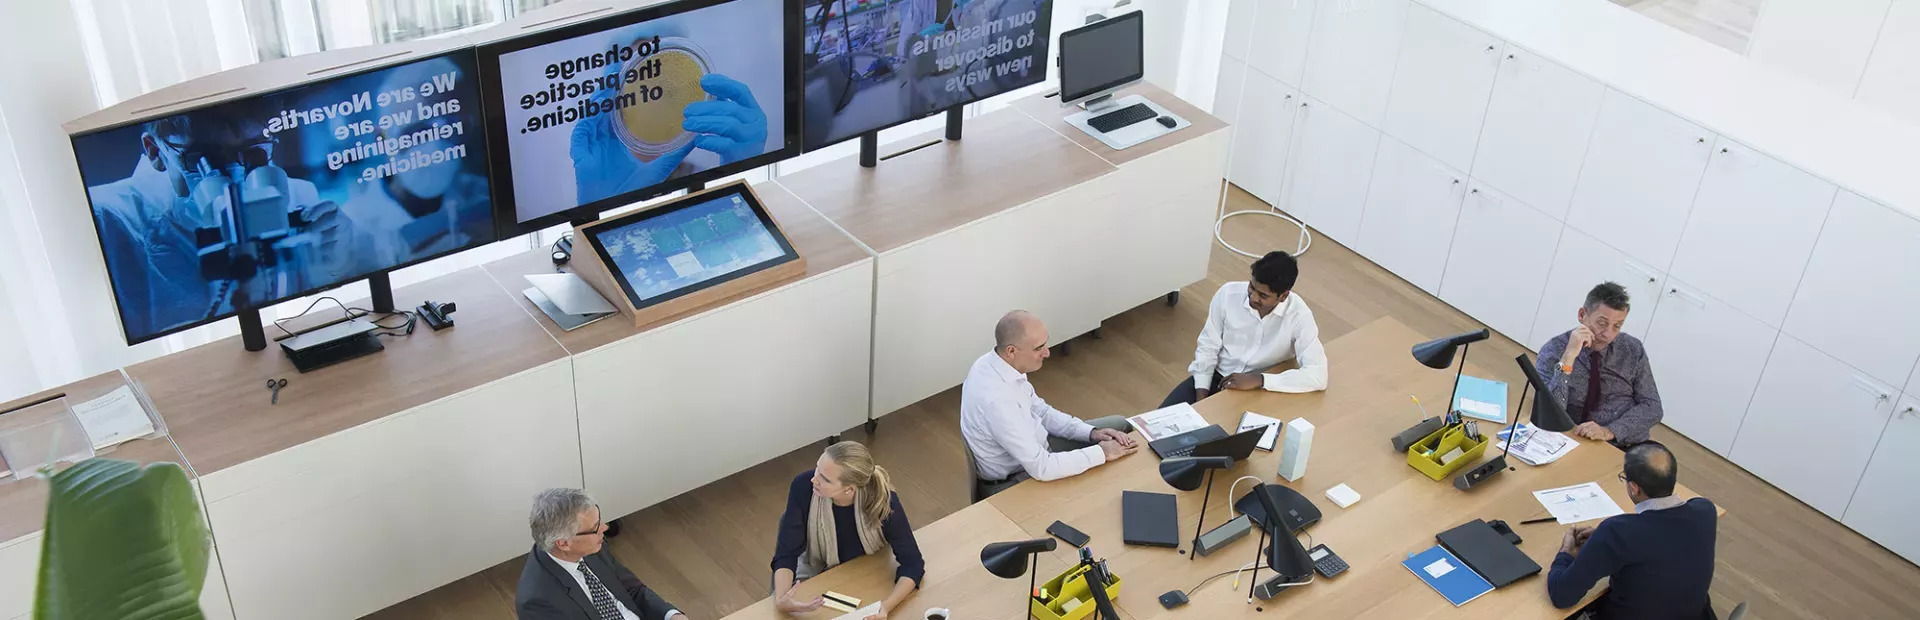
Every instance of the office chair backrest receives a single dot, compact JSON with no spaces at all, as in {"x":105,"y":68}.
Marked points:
{"x":975,"y":490}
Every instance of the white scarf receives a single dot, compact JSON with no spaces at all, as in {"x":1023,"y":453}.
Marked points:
{"x":823,"y":541}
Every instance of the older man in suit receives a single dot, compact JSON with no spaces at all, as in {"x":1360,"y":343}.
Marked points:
{"x":571,"y":575}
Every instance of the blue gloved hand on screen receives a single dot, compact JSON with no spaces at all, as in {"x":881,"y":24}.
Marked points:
{"x":732,"y":126}
{"x":603,"y":167}
{"x":933,"y":29}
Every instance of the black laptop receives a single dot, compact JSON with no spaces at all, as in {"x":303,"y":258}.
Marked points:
{"x":1488,"y":553}
{"x":1238,"y":446}
{"x":1183,"y":444}
{"x":1209,"y":441}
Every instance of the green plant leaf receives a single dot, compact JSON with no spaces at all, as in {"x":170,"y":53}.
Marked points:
{"x":122,"y":542}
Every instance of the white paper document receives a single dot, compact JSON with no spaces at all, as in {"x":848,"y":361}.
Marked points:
{"x":113,"y":419}
{"x":1578,"y":503}
{"x":1482,"y":409}
{"x":1439,"y":568}
{"x":1537,"y":447}
{"x":1163,"y":423}
{"x":861,"y":613}
{"x":1251,"y":420}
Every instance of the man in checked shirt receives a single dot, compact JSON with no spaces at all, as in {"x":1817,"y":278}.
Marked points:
{"x":1602,"y":375}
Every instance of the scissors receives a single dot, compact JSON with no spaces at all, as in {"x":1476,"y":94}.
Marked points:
{"x":275,"y":385}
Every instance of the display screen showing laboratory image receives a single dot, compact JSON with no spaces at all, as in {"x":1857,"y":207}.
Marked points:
{"x":873,"y":64}
{"x":248,"y":202}
{"x":618,"y":113}
{"x":662,"y":256}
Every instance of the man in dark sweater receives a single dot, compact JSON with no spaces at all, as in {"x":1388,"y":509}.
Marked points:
{"x":1660,"y":557}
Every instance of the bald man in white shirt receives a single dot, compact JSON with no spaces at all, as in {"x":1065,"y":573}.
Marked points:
{"x":1251,"y":327}
{"x":1014,"y":435}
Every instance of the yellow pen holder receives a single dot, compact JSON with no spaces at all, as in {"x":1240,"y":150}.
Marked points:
{"x":1070,"y":586}
{"x":1425,"y":455}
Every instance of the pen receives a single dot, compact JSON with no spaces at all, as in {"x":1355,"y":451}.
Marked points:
{"x":1539,"y":520}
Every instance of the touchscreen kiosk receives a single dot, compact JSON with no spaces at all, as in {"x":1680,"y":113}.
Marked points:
{"x":682,"y":254}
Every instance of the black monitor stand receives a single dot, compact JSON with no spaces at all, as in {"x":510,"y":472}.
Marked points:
{"x":870,"y":141}
{"x":253,"y":332}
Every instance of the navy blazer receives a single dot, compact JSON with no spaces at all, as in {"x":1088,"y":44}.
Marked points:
{"x":548,"y":592}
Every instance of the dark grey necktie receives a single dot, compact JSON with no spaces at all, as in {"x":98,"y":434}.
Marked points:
{"x":603,"y":604}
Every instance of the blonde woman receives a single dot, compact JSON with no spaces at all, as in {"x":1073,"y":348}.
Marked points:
{"x":842,"y":509}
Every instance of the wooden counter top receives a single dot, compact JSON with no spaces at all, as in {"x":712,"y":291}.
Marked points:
{"x":1009,"y":159}
{"x":23,"y":503}
{"x":1046,"y":109}
{"x":824,"y":246}
{"x":216,"y":403}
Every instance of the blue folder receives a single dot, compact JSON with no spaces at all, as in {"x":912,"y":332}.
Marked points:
{"x":1489,"y":392}
{"x":1456,"y":581}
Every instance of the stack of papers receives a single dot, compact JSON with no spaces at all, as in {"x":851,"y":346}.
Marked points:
{"x":1577,"y":503}
{"x":1251,"y":420}
{"x":114,"y":419}
{"x":1163,"y":423}
{"x":1537,"y":447}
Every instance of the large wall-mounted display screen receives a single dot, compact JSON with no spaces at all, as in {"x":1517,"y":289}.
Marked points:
{"x":874,"y":64}
{"x":248,"y":202}
{"x":597,"y":115}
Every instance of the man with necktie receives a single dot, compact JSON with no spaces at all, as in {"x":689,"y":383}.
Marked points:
{"x":1602,"y":375}
{"x":572,"y":575}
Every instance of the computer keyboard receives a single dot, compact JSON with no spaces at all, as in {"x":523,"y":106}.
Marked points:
{"x":1181,"y":452}
{"x":1107,"y":123}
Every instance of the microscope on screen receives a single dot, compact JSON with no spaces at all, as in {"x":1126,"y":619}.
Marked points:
{"x":248,"y":212}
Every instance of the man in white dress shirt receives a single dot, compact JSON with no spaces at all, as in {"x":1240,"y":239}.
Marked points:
{"x":1014,"y":434}
{"x":1252,"y":326}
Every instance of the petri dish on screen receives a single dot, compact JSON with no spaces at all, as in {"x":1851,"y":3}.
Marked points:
{"x":652,"y":128}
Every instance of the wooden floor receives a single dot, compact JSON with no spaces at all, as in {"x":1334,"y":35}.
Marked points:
{"x":708,"y":551}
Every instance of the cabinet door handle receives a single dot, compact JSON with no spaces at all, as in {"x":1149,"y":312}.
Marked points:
{"x":1688,"y":297}
{"x":1869,"y":387}
{"x":1643,"y":273}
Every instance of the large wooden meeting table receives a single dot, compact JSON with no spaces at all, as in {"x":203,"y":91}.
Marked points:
{"x":1400,"y":512}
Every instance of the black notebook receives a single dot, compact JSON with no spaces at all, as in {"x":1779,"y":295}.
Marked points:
{"x":1149,"y":519}
{"x":1488,"y":553}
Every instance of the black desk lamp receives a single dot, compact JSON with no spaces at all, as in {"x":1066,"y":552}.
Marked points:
{"x":1547,"y":414}
{"x":1438,"y":354}
{"x":1185,"y":473}
{"x":1283,"y":551}
{"x":1010,"y":560}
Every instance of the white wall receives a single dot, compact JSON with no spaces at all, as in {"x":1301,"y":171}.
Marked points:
{"x":1865,"y":49}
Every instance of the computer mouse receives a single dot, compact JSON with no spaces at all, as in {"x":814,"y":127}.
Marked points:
{"x":1168,"y":121}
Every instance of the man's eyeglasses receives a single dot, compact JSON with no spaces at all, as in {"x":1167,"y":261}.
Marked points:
{"x":595,"y":530}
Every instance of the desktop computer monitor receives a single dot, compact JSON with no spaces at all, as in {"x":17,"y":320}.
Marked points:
{"x":287,"y":186}
{"x":874,"y":64}
{"x":1102,"y":57}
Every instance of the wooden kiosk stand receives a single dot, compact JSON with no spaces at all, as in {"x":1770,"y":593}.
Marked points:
{"x":593,"y":260}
